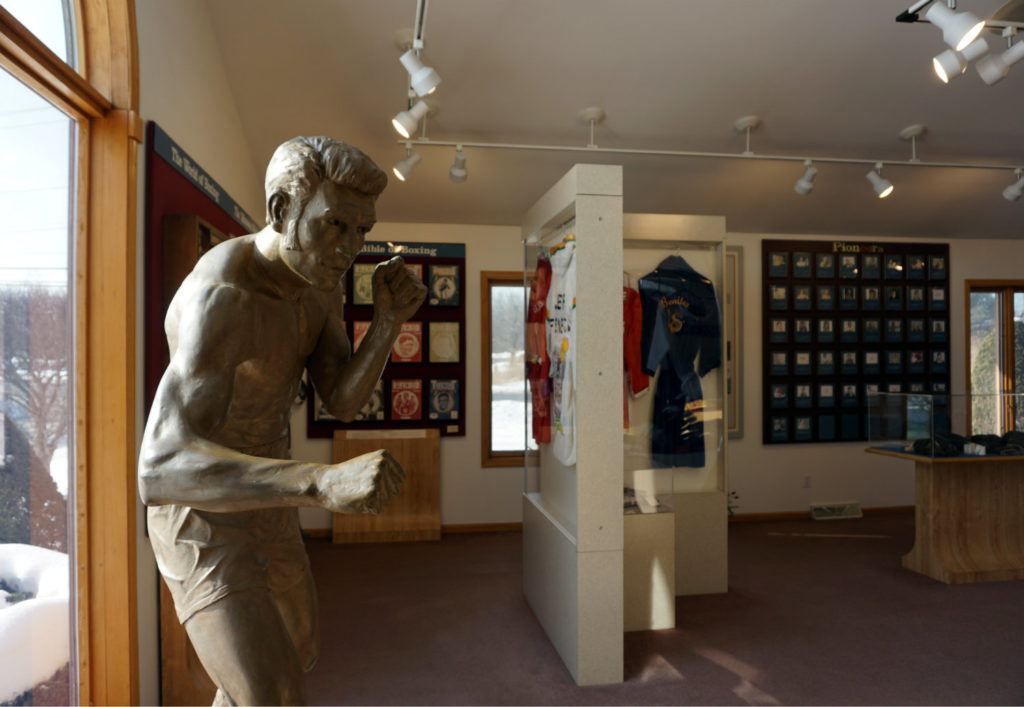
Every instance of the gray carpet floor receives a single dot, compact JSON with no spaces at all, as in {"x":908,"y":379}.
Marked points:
{"x":817,"y":613}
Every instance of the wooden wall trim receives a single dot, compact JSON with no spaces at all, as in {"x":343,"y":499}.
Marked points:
{"x":105,"y":420}
{"x":107,"y":427}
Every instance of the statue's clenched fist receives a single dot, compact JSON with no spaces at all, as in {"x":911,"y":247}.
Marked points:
{"x":397,"y":292}
{"x":364,"y":484}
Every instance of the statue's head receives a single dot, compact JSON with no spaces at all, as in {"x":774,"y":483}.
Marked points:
{"x":298,"y":166}
{"x":321,"y":197}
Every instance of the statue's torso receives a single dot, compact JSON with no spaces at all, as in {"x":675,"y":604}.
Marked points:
{"x":274,"y":349}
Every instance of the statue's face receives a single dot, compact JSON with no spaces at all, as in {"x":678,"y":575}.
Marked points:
{"x":330,"y":233}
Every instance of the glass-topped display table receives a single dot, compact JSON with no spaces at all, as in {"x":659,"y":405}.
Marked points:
{"x":969,"y":477}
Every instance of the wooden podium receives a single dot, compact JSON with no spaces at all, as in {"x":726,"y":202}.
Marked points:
{"x":415,"y":513}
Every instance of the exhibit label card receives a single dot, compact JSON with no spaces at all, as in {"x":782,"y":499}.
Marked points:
{"x":406,"y":399}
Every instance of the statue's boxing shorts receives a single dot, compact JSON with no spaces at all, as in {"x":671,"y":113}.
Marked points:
{"x":205,"y":556}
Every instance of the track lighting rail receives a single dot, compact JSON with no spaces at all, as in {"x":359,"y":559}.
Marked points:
{"x":421,"y":142}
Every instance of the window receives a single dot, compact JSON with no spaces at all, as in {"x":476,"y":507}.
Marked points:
{"x":505,"y":402}
{"x":995,"y":348}
{"x":36,"y":143}
{"x":67,"y":340}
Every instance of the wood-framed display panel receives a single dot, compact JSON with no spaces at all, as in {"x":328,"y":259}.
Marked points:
{"x":882,"y":296}
{"x":435,"y":310}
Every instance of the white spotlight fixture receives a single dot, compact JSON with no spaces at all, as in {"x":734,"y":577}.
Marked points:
{"x":403,"y":169}
{"x":457,"y":173}
{"x":1013,"y":192}
{"x":951,"y":63}
{"x":805,"y":184}
{"x":407,"y":120}
{"x":994,"y":67}
{"x":958,"y":28}
{"x":882,"y":186}
{"x":423,"y":79}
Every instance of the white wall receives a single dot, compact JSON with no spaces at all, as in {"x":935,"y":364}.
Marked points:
{"x":771,"y":478}
{"x":469,"y":492}
{"x":184,"y":88}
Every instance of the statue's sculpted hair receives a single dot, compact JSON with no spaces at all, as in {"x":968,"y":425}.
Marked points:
{"x":298,"y":166}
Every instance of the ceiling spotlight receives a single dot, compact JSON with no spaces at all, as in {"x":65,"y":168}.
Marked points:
{"x":882,"y":186}
{"x":805,"y":184}
{"x":423,"y":79}
{"x":994,"y":67}
{"x":403,"y":169}
{"x":951,"y":63}
{"x":407,"y":120}
{"x":1013,"y":192}
{"x":958,"y":28}
{"x":457,"y":173}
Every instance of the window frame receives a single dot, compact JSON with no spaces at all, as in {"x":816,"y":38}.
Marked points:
{"x":103,"y":99}
{"x":488,"y":457}
{"x":1005,"y":289}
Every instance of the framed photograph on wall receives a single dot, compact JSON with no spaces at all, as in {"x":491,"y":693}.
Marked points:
{"x":801,"y":264}
{"x":916,"y":269}
{"x":870,"y":267}
{"x":779,"y":264}
{"x":802,"y":330}
{"x":825,"y":266}
{"x":848,"y":267}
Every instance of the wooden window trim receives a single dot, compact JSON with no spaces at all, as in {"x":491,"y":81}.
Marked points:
{"x":103,"y":98}
{"x":1005,"y":289}
{"x":34,"y":63}
{"x":489,"y":458}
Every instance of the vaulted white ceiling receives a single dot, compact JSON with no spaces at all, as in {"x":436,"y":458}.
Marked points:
{"x":828,"y":78}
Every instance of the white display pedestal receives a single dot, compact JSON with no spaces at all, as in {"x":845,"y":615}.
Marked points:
{"x":649,"y":565}
{"x":572,"y":516}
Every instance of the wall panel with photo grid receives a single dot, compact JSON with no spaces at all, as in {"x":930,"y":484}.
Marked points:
{"x":844,"y":320}
{"x":424,"y":381}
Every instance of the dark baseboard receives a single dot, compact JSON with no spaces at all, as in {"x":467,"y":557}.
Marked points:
{"x":482,"y":528}
{"x":325,"y":533}
{"x":804,"y":515}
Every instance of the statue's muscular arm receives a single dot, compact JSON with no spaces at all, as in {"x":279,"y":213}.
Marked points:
{"x":179,"y":461}
{"x":346,"y":380}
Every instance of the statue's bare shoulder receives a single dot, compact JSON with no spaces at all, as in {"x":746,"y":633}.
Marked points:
{"x":222,"y":289}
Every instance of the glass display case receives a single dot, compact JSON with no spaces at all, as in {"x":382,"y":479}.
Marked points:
{"x":673,"y":386}
{"x":961,"y":425}
{"x":673,"y":371}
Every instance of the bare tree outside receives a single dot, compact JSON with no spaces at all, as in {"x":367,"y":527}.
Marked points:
{"x":34,"y":407}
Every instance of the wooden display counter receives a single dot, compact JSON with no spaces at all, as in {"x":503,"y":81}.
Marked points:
{"x":969,"y":517}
